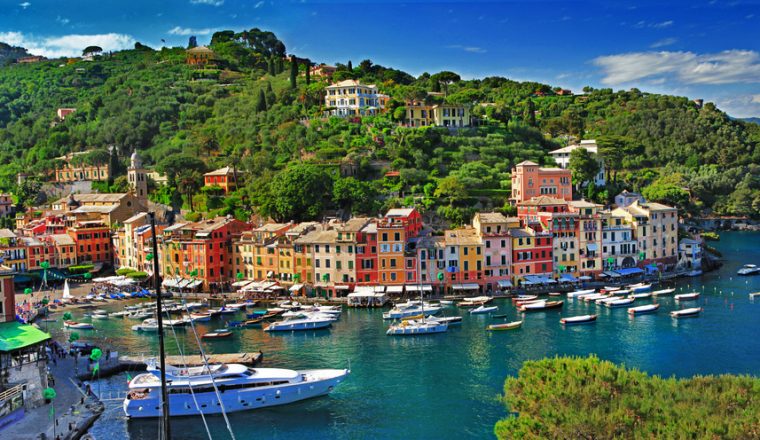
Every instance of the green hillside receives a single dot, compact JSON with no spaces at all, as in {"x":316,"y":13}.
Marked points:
{"x":186,"y":120}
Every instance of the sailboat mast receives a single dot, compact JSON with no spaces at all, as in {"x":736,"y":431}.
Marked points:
{"x":159,"y":318}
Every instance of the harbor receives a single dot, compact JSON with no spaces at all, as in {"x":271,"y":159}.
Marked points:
{"x":454,"y":377}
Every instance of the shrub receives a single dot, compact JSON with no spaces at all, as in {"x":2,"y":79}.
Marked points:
{"x":82,"y":268}
{"x":138,"y":275}
{"x":124,"y":271}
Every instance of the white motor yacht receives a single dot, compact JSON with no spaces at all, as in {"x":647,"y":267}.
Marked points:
{"x":748,"y":269}
{"x":417,"y":327}
{"x":308,"y":323}
{"x":192,"y":390}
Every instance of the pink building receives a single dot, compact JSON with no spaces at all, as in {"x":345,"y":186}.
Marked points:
{"x":530,"y":180}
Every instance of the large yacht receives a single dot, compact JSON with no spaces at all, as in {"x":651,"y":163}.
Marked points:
{"x":191,"y":390}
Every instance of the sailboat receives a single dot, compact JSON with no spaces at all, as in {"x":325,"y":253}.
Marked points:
{"x":67,"y":298}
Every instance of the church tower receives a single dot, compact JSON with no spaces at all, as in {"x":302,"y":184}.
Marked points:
{"x":138,"y":180}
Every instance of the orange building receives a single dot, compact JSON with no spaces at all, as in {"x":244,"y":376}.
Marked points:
{"x":93,"y":242}
{"x":223,"y":178}
{"x":200,"y":56}
{"x":530,"y":180}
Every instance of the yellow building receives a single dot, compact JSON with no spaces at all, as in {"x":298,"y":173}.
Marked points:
{"x":656,"y":227}
{"x":419,"y":114}
{"x":71,"y":171}
{"x":589,"y":236}
{"x":464,"y":258}
{"x":352,"y":98}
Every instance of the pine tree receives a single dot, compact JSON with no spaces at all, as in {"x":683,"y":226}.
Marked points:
{"x":261,"y":102}
{"x":436,"y":87}
{"x":293,"y":72}
{"x":530,"y":113}
{"x":350,"y":66}
{"x":308,"y":72}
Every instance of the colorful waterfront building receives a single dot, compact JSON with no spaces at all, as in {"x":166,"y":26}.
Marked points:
{"x":619,"y":243}
{"x":431,"y":257}
{"x":493,"y":229}
{"x":93,"y":242}
{"x":531,"y":256}
{"x":366,"y":255}
{"x":554,"y":216}
{"x":391,"y":240}
{"x":12,"y":251}
{"x":464,"y":259}
{"x":531,"y":180}
{"x":200,"y":253}
{"x":656,"y":227}
{"x":589,"y":236}
{"x":6,"y":205}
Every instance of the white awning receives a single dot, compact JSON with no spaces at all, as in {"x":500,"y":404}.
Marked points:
{"x":194,"y":284}
{"x":342,"y":287}
{"x":379,"y":288}
{"x":416,"y":288}
{"x":394,"y":289}
{"x":241,"y":283}
{"x":466,"y":286}
{"x":504,"y":284}
{"x":296,"y":287}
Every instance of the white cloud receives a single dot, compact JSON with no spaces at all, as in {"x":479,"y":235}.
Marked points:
{"x":25,"y":5}
{"x":471,"y":49}
{"x":258,"y":4}
{"x":654,"y":25}
{"x":727,"y":67}
{"x":208,"y":2}
{"x":67,"y":45}
{"x":176,"y":30}
{"x":664,"y":42}
{"x":755,"y":99}
{"x":63,"y":20}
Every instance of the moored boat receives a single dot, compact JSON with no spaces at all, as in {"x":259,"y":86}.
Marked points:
{"x":193,"y":390}
{"x":200,"y":316}
{"x":686,"y":313}
{"x":483,"y":309}
{"x":417,"y":327}
{"x":619,"y":303}
{"x":450,"y":320}
{"x":217,"y":334}
{"x":748,"y":269}
{"x":580,"y":293}
{"x":687,"y":296}
{"x":643,"y":310}
{"x":580,"y":319}
{"x":643,"y":295}
{"x":754,"y":295}
{"x":78,"y":325}
{"x":555,"y":293}
{"x":541,"y":306}
{"x":299,"y":324}
{"x":507,"y":326}
{"x":640,"y":287}
{"x":522,"y":298}
{"x":663,"y":292}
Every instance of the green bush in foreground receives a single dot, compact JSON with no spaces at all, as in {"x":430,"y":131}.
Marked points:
{"x":586,"y":398}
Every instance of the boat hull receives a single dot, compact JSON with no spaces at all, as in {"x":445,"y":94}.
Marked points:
{"x":286,"y":327}
{"x":244,"y":400}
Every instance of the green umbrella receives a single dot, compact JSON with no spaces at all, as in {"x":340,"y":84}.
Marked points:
{"x":194,"y":273}
{"x":96,"y":354}
{"x":45,"y":301}
{"x":45,"y":265}
{"x":239,"y":276}
{"x":149,"y":257}
{"x":611,"y":260}
{"x":28,"y":291}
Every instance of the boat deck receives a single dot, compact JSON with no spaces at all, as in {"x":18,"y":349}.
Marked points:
{"x":249,"y":359}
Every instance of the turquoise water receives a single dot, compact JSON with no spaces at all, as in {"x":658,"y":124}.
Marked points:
{"x":447,"y":386}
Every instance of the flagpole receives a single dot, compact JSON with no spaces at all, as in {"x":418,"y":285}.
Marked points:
{"x":159,"y":315}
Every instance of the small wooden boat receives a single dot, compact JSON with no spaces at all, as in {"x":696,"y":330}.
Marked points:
{"x":521,"y":298}
{"x":594,"y":297}
{"x":581,"y":319}
{"x":619,"y":303}
{"x":200,"y":317}
{"x":603,"y":301}
{"x":663,"y":292}
{"x":217,"y":334}
{"x":483,"y":309}
{"x":643,"y":310}
{"x":555,"y":293}
{"x":612,"y":288}
{"x":256,"y":322}
{"x":507,"y":326}
{"x":640,"y":295}
{"x":78,"y":325}
{"x":687,"y":296}
{"x":541,"y":306}
{"x":580,"y":293}
{"x":686,"y":313}
{"x":640,"y":287}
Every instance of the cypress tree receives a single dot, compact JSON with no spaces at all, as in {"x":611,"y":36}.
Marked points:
{"x":350,"y":66}
{"x":308,"y":72}
{"x":270,"y":67}
{"x":530,"y":113}
{"x":261,"y":102}
{"x":293,"y":72}
{"x":271,"y":97}
{"x":280,"y":66}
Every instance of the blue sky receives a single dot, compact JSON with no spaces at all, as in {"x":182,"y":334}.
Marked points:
{"x":701,"y":48}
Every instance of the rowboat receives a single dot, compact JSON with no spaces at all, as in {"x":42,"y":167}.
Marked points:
{"x":663,"y":292}
{"x":640,"y":295}
{"x":78,"y":325}
{"x":640,"y":287}
{"x":687,"y":296}
{"x":619,"y":303}
{"x":603,"y":301}
{"x":686,"y":313}
{"x":200,"y":317}
{"x":483,"y":309}
{"x":643,"y":310}
{"x":582,"y":319}
{"x":508,"y":326}
{"x":541,"y":306}
{"x":580,"y":293}
{"x":217,"y":334}
{"x":446,"y":302}
{"x":594,"y":297}
{"x":611,"y":288}
{"x":520,"y":298}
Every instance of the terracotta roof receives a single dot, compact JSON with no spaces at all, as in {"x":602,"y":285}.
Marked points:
{"x":62,"y":239}
{"x":494,"y":217}
{"x":542,"y":200}
{"x":318,"y":237}
{"x":94,"y":198}
{"x":527,"y":163}
{"x":463,"y":236}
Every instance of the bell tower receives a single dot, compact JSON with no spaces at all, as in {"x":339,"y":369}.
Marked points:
{"x":138,"y":180}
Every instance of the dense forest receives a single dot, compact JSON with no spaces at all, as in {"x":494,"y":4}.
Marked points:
{"x":259,"y":111}
{"x":564,"y":398}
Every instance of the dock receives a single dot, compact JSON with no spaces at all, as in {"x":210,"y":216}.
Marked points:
{"x":248,"y":359}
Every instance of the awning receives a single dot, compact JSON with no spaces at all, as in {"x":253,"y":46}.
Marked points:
{"x":416,"y":288}
{"x":538,"y":279}
{"x":569,"y":278}
{"x":194,"y":284}
{"x":380,"y":289}
{"x":241,"y":283}
{"x":171,"y":282}
{"x":585,"y":278}
{"x":611,"y":274}
{"x":394,"y":289}
{"x":504,"y":284}
{"x":591,"y":247}
{"x":296,"y":287}
{"x":342,"y":287}
{"x":15,"y":336}
{"x":466,"y":286}
{"x":629,"y":271}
